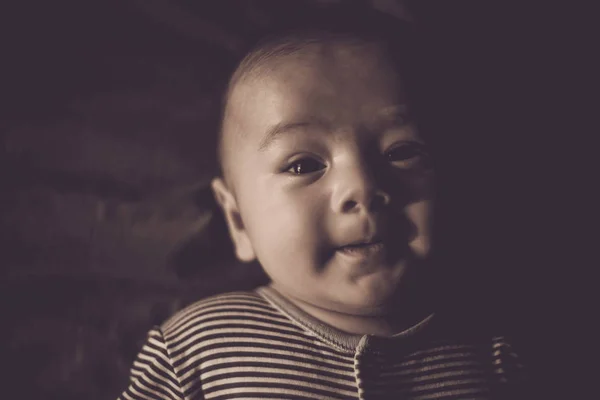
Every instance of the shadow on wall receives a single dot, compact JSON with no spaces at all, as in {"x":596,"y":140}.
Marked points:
{"x":106,"y":156}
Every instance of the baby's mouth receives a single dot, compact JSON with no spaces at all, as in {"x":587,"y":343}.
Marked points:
{"x":363,"y":250}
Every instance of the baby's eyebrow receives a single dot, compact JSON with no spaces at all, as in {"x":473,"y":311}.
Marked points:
{"x":392,"y":116}
{"x":395,"y":115}
{"x":283,"y":128}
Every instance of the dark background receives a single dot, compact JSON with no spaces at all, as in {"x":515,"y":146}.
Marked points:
{"x":110,"y":109}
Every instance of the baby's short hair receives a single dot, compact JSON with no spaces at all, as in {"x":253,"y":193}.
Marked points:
{"x":347,"y":23}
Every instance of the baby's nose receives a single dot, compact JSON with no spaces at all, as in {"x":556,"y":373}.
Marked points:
{"x":357,"y":190}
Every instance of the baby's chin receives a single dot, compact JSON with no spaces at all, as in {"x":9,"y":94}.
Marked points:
{"x":369,"y":295}
{"x":366,"y":298}
{"x":350,"y":298}
{"x":389,"y":289}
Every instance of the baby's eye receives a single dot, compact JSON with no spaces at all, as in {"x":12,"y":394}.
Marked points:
{"x":408,"y":156}
{"x":304,"y":166}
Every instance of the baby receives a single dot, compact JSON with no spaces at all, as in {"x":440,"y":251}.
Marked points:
{"x":327,"y":182}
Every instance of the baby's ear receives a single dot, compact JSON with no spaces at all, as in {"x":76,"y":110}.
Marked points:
{"x":237,"y":231}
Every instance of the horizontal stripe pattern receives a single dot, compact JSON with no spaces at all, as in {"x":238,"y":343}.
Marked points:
{"x":239,"y":346}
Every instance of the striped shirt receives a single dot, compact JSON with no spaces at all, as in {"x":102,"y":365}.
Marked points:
{"x":257,"y":345}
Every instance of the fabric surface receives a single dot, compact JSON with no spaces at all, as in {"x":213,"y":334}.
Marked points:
{"x":254,"y":345}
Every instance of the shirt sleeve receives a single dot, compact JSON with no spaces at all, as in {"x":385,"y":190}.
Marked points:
{"x":152,"y":374}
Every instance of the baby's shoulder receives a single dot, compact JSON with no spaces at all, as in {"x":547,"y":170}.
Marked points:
{"x":220,"y":309}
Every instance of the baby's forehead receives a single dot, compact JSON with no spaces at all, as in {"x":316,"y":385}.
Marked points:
{"x":322,"y":61}
{"x":337,"y":53}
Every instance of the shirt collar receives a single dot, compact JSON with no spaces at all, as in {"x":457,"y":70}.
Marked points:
{"x":336,"y":338}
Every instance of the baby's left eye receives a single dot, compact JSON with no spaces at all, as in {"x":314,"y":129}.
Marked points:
{"x":305,"y":166}
{"x":408,"y":155}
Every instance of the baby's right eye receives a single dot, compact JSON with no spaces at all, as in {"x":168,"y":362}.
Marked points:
{"x":304,"y":166}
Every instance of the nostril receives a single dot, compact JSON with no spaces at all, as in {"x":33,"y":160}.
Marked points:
{"x":375,"y":203}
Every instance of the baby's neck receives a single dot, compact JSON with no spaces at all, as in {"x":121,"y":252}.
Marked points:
{"x":384,"y":325}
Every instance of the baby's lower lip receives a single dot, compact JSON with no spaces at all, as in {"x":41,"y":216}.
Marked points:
{"x":363,"y":250}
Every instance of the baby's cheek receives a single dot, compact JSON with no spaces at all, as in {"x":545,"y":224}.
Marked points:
{"x":421,"y":215}
{"x":299,"y":241}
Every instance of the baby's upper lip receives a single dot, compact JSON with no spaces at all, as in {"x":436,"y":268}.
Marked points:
{"x":372,"y":230}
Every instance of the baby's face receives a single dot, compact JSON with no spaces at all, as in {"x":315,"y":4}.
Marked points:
{"x":331,"y":181}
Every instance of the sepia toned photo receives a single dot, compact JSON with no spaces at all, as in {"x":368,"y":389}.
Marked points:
{"x":268,"y":199}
